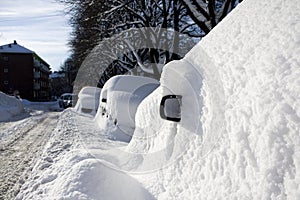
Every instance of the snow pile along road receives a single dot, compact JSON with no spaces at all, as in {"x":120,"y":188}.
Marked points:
{"x":68,"y":170}
{"x":41,"y":107}
{"x":9,"y":106}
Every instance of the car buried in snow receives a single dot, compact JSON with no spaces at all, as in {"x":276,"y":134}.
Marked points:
{"x":88,"y":100}
{"x":120,"y":98}
{"x":179,"y":99}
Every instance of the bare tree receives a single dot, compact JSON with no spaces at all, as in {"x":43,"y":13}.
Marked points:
{"x":153,"y":32}
{"x":159,"y":16}
{"x":208,"y":13}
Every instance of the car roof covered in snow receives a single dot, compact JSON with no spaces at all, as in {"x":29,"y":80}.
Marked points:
{"x":89,"y":90}
{"x":127,"y":83}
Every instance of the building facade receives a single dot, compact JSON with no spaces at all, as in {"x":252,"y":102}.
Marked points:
{"x":23,"y":72}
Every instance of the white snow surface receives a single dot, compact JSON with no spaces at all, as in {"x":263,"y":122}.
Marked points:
{"x":239,"y":133}
{"x":9,"y":106}
{"x":67,"y":168}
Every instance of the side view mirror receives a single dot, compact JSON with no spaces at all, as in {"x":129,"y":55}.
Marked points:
{"x":170,"y":108}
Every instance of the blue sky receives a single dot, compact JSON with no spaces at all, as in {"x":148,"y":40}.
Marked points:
{"x":39,"y":25}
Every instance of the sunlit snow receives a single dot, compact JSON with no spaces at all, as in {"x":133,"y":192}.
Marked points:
{"x":239,"y":133}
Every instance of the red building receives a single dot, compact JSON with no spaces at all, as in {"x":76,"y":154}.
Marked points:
{"x":24,"y":71}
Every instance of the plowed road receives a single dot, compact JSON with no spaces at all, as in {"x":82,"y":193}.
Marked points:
{"x":21,"y":143}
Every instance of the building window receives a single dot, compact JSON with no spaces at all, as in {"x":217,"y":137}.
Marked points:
{"x":5,"y":82}
{"x":5,"y":70}
{"x":5,"y":58}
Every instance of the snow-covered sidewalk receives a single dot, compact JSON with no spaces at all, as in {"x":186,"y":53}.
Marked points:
{"x":76,"y":164}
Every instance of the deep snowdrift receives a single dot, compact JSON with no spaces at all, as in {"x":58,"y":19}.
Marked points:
{"x":9,"y":106}
{"x":68,"y":170}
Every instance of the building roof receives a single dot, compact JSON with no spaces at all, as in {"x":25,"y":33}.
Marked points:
{"x":14,"y":48}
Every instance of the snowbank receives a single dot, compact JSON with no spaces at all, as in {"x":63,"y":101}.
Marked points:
{"x":68,"y":170}
{"x":41,"y":106}
{"x":9,"y":106}
{"x":79,"y":176}
{"x":88,"y":100}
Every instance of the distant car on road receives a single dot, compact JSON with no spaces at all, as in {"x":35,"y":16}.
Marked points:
{"x":67,"y":100}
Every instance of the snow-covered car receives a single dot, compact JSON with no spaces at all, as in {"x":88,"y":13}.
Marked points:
{"x":119,"y":99}
{"x":173,"y":110}
{"x":180,"y":100}
{"x":67,"y":100}
{"x":88,"y":100}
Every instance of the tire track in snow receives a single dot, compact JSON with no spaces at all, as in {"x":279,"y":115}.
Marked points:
{"x":19,"y":153}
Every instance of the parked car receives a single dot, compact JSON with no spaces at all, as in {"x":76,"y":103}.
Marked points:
{"x":67,"y":100}
{"x":176,"y":105}
{"x":119,"y":99}
{"x":181,"y":100}
{"x":88,"y":100}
